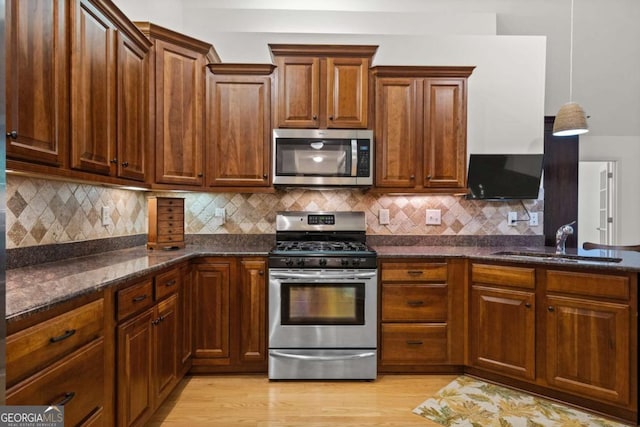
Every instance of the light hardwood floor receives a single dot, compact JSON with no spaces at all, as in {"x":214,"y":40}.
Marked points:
{"x":255,"y":401}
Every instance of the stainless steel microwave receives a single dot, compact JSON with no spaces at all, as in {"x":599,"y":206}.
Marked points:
{"x":323,"y":157}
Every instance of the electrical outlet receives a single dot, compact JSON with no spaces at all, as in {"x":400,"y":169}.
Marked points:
{"x":383,"y":216}
{"x":433,"y":217}
{"x":533,"y":219}
{"x":106,"y":218}
{"x":220,"y":213}
{"x":512,"y":218}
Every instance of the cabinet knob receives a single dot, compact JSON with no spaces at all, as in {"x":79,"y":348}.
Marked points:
{"x":551,"y":308}
{"x":200,"y":175}
{"x":314,"y":117}
{"x":261,"y":272}
{"x":330,"y":117}
{"x":13,"y":134}
{"x":527,"y":304}
{"x":125,"y":164}
{"x":265,"y":176}
{"x":114,"y":160}
{"x":412,"y":177}
{"x":428,"y":176}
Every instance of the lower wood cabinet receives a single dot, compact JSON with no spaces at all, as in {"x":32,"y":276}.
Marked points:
{"x":229,"y":312}
{"x":149,"y":345}
{"x":60,"y":359}
{"x":502,"y":320}
{"x":421,"y":315}
{"x":569,"y":334}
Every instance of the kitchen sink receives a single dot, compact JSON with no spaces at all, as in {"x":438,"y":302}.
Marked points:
{"x":557,"y":257}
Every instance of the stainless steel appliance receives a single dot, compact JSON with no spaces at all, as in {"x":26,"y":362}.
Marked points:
{"x":323,"y":157}
{"x":322,"y":298}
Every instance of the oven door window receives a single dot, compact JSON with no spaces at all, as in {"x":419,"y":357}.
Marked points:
{"x":322,"y":304}
{"x":297,"y":157}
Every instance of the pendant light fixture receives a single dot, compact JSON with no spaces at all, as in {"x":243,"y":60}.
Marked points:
{"x":571,"y":119}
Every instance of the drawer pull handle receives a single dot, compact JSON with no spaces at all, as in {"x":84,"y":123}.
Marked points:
{"x":414,"y":342}
{"x":170,"y":282}
{"x":140,"y":298}
{"x":415,"y":303}
{"x":66,"y":399}
{"x":62,"y":337}
{"x":414,"y":272}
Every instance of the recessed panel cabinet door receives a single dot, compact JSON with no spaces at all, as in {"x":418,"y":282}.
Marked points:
{"x":37,"y":99}
{"x":92,"y":90}
{"x":587,"y":346}
{"x":444,"y":133}
{"x":133,"y":108}
{"x":165,"y":331}
{"x":211,"y":307}
{"x":179,"y":79}
{"x":253,"y":318}
{"x":240,"y":124}
{"x":347,"y":92}
{"x":298,"y":92}
{"x":396,"y":133}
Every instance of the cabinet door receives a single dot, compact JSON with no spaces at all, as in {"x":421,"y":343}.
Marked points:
{"x":298,"y":92}
{"x":211,"y":309}
{"x":165,"y":338}
{"x":587,"y":347}
{"x":396,"y":133}
{"x":92,"y":89}
{"x":239,"y":131}
{"x":179,"y":86}
{"x":444,"y":133}
{"x":253,"y":318}
{"x":502,"y":331}
{"x":135,"y":360}
{"x":347,"y":92}
{"x":133,"y":108}
{"x":37,"y":99}
{"x":185,"y":324}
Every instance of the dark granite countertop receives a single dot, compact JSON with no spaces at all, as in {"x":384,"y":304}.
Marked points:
{"x":35,"y":288}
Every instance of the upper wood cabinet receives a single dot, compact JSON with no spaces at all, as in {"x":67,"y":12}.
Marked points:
{"x":420,"y":127}
{"x":238,"y":125}
{"x":77,"y":90}
{"x":37,"y":85}
{"x":177,"y":101}
{"x":322,"y":86}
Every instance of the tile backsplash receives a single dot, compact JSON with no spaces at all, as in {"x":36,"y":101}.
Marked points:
{"x":43,"y":212}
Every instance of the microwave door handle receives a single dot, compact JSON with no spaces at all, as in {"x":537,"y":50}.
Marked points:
{"x":354,"y":157}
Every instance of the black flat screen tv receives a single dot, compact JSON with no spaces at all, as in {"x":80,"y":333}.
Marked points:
{"x":504,"y":176}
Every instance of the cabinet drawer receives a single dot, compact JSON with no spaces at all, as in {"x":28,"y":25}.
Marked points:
{"x":414,"y":271}
{"x":33,"y":348}
{"x":519,"y":277}
{"x":172,"y":223}
{"x":588,"y":284}
{"x":170,"y":213}
{"x":175,"y":230}
{"x":77,"y":381}
{"x":170,"y":238}
{"x":135,"y":298}
{"x":414,"y":302}
{"x":170,"y":202}
{"x":166,"y":283}
{"x":414,"y":343}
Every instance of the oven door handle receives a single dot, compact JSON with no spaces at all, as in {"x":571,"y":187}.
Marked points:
{"x":322,"y":358}
{"x":323,"y":275}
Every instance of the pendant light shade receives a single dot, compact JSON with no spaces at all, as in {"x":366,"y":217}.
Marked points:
{"x":570,"y":120}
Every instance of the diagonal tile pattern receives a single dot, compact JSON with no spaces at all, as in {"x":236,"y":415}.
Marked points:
{"x":43,"y":212}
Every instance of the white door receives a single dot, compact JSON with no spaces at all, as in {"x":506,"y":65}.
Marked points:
{"x":596,"y":199}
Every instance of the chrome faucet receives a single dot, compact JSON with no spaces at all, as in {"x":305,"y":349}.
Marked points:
{"x":561,"y":237}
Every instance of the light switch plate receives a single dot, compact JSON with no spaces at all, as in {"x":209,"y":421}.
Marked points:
{"x":433,"y":217}
{"x":383,"y":216}
{"x":220,"y":213}
{"x":105,"y":216}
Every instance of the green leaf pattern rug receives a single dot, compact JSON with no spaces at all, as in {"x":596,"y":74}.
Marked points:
{"x":473,"y":403}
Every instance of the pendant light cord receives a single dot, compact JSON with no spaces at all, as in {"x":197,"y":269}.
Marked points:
{"x":571,"y":56}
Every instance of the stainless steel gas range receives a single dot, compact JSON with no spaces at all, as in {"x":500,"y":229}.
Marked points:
{"x":322,"y":298}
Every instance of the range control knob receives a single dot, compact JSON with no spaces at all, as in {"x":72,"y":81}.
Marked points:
{"x":323,"y":262}
{"x":288,"y":262}
{"x":344,"y":262}
{"x":355,"y":262}
{"x":300,"y":262}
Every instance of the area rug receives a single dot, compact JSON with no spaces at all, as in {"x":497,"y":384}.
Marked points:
{"x":474,"y":403}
